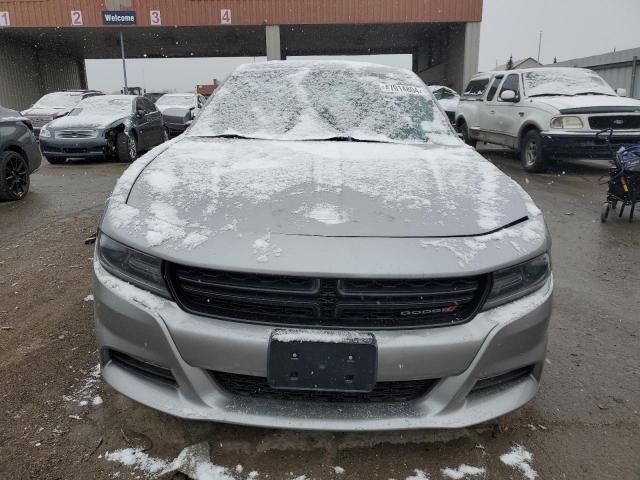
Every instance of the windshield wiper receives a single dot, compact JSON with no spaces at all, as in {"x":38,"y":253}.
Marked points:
{"x":551,"y":95}
{"x":595,"y":93}
{"x":346,"y":139}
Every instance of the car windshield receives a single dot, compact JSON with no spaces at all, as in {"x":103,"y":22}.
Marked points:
{"x":176,"y":100}
{"x":324,"y":100}
{"x":103,"y":106}
{"x":444,"y":94}
{"x":59,"y":100}
{"x":565,"y":81}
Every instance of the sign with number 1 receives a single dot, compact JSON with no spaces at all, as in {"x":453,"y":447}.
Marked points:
{"x":154,"y":17}
{"x":76,"y":17}
{"x":5,"y":21}
{"x":225,"y":16}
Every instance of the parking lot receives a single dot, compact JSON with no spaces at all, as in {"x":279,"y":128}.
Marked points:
{"x":58,"y":420}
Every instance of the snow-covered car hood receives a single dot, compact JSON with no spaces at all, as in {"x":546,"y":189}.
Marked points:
{"x":8,"y":115}
{"x":86,"y":121}
{"x":587,"y":103}
{"x":449,"y":104}
{"x":205,"y":186}
{"x":36,"y":111}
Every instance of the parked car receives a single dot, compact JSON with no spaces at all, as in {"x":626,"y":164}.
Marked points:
{"x":545,"y":113}
{"x":321,"y":251}
{"x":448,"y":100}
{"x":19,"y":154}
{"x":108,"y":126}
{"x":55,"y":105}
{"x":153,"y":96}
{"x":179,"y":110}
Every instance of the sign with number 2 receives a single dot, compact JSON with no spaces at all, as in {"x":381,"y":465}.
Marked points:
{"x":76,"y":17}
{"x":225,"y":16}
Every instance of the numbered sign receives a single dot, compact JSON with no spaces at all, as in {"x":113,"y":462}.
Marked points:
{"x":154,"y":17}
{"x":225,"y":16}
{"x":76,"y":17}
{"x":5,"y":20}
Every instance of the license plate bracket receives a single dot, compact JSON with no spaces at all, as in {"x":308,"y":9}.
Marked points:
{"x":323,"y":362}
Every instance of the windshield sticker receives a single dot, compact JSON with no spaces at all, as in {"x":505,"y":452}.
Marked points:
{"x":395,"y":88}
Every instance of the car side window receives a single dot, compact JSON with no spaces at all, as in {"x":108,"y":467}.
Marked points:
{"x":494,"y":87}
{"x":512,"y":82}
{"x":149,"y":107}
{"x":475,"y":88}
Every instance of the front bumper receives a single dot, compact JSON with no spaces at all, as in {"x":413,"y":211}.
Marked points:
{"x":75,"y":147}
{"x":575,"y":144}
{"x":146,"y":327}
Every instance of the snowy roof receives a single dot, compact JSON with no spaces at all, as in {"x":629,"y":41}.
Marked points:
{"x":602,"y":59}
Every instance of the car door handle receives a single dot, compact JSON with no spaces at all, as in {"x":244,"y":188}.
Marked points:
{"x":492,"y":112}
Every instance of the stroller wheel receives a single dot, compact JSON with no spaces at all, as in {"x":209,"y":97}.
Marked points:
{"x":606,"y":206}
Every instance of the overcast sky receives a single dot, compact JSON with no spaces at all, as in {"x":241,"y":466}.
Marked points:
{"x":571,"y":28}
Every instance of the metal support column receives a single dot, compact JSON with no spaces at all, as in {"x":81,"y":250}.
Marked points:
{"x":124,"y":64}
{"x":272,"y":34}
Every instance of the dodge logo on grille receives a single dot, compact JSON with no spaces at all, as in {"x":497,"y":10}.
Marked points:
{"x":428,"y":311}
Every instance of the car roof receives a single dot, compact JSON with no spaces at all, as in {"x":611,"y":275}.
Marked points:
{"x":525,"y":70}
{"x":116,"y":96}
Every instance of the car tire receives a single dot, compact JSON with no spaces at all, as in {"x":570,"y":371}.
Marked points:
{"x":464,"y":131}
{"x":532,"y":155}
{"x":14,"y":176}
{"x":127,"y":147}
{"x":56,"y":160}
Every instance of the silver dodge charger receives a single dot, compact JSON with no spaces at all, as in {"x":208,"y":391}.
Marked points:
{"x":320,"y":251}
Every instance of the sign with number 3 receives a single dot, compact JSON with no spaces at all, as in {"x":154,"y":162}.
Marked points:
{"x":76,"y":17}
{"x":225,"y":16}
{"x":4,"y":19}
{"x":154,"y":17}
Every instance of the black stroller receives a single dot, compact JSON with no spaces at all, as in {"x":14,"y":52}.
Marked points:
{"x":623,"y":178}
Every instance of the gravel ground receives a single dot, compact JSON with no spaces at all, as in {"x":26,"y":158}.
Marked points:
{"x":57,"y":420}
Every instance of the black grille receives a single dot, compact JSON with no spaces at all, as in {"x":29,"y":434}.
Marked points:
{"x":139,"y":367}
{"x":502,"y":380}
{"x":617,"y":122}
{"x":320,"y":302}
{"x":257,"y":387}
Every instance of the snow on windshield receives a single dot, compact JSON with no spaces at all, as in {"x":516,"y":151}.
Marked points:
{"x":320,"y":100}
{"x":565,"y":81}
{"x":177,"y":100}
{"x":104,"y":106}
{"x":59,"y":100}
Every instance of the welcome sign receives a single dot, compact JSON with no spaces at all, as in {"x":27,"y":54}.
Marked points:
{"x":118,"y":17}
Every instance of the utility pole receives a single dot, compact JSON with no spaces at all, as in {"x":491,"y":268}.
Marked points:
{"x":539,"y":45}
{"x":124,"y":64}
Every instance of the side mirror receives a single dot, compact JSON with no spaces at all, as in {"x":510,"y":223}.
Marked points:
{"x":621,"y":92}
{"x":508,"y":96}
{"x":140,"y":113}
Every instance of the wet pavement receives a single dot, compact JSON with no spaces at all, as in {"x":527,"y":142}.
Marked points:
{"x":584,"y":423}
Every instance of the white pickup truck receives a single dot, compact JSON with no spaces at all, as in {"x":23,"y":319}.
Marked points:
{"x":545,"y":113}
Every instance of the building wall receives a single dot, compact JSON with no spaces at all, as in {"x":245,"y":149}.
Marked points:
{"x":27,"y":73}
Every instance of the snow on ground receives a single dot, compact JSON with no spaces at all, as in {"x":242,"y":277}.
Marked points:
{"x":195,"y":462}
{"x":84,"y":393}
{"x":520,"y":459}
{"x":88,"y":298}
{"x":463,"y":471}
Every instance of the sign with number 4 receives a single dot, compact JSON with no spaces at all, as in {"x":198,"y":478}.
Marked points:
{"x":154,"y":17}
{"x":76,"y":17}
{"x":225,"y":16}
{"x":5,"y":21}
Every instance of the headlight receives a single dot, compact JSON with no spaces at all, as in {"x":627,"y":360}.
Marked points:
{"x":44,"y":132}
{"x":137,"y":268}
{"x":566,"y":122}
{"x":515,"y":282}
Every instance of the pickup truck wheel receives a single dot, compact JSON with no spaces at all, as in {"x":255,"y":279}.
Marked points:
{"x":531,"y":152}
{"x":14,"y":176}
{"x":464,"y":130}
{"x":127,"y":147}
